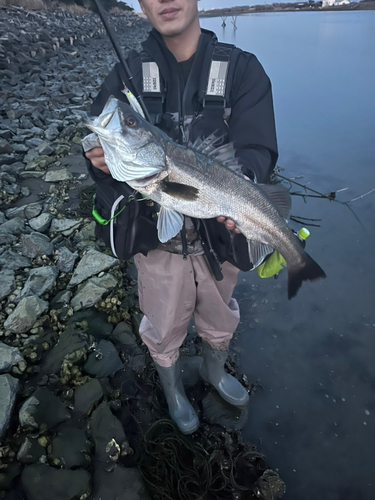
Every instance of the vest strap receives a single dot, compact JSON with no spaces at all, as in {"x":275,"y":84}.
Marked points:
{"x":151,"y":88}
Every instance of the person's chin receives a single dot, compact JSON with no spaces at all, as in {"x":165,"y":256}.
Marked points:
{"x":170,"y":30}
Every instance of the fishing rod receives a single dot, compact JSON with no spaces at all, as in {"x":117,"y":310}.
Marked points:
{"x":124,"y":64}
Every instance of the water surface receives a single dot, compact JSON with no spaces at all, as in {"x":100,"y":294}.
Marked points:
{"x":314,"y":355}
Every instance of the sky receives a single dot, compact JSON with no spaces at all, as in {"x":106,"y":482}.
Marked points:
{"x":209,"y":4}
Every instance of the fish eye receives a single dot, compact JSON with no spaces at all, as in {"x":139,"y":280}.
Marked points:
{"x":131,"y":122}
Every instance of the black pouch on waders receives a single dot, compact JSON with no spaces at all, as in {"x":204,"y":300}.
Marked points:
{"x":126,"y":223}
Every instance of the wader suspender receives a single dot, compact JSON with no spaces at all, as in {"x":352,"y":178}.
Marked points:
{"x":151,"y":88}
{"x":214,"y":93}
{"x":215,"y":85}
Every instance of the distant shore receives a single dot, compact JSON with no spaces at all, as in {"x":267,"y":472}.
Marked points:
{"x":286,"y":7}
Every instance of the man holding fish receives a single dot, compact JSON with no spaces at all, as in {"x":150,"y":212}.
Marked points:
{"x":201,"y":165}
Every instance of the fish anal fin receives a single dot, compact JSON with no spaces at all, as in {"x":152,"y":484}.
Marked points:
{"x":179,"y":191}
{"x":169,"y":224}
{"x":279,"y":196}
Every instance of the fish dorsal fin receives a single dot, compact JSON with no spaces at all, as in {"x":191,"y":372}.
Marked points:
{"x":169,"y":225}
{"x":280,"y":197}
{"x":225,"y":154}
{"x":258,"y":251}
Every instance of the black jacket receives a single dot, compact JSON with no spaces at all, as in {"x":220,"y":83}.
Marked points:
{"x":250,"y":124}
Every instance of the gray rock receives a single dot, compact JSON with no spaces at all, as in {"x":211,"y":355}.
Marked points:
{"x":107,"y":433}
{"x":123,"y":335}
{"x":62,"y":299}
{"x":7,"y":283}
{"x":69,"y":447}
{"x":58,"y":175}
{"x":8,"y":390}
{"x":9,"y":357}
{"x":12,"y":189}
{"x":107,"y":281}
{"x":25,"y":191}
{"x":25,"y":314}
{"x":16,"y":168}
{"x":26,"y":123}
{"x":35,"y":142}
{"x":5,"y":147}
{"x":92,"y":263}
{"x":64,"y":226}
{"x":30,"y":451}
{"x":14,"y":261}
{"x":51,"y":133}
{"x":66,"y":260}
{"x":14,"y":226}
{"x":35,"y":244}
{"x":7,"y":238}
{"x":29,"y":174}
{"x":31,"y":156}
{"x":41,"y":223}
{"x":86,"y":396}
{"x":87,"y":233}
{"x":6,"y":159}
{"x":71,"y":340}
{"x":88,"y":295}
{"x":45,"y":148}
{"x":2,"y":218}
{"x":20,"y":148}
{"x":42,"y":407}
{"x":122,"y":483}
{"x":33,"y":210}
{"x":42,"y":482}
{"x":40,"y":281}
{"x":15,"y":212}
{"x":104,"y":361}
{"x":97,"y":324}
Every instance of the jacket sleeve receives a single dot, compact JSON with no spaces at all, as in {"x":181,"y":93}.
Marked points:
{"x":252,"y":122}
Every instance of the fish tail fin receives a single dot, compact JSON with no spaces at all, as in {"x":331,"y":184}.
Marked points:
{"x":309,"y":270}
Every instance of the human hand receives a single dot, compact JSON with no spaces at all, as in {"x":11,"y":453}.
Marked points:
{"x":229,"y":223}
{"x":96,"y":156}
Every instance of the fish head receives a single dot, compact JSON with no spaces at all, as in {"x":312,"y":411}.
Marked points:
{"x":134,"y":150}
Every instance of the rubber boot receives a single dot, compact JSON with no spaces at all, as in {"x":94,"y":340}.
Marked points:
{"x":213,"y":372}
{"x":180,"y":409}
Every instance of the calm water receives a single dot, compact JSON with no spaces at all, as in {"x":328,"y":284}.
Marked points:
{"x":314,"y":356}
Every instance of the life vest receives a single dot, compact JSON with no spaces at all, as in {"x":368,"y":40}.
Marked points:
{"x":214,"y":94}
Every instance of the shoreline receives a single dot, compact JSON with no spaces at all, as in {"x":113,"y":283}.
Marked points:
{"x":257,"y":9}
{"x":80,"y":401}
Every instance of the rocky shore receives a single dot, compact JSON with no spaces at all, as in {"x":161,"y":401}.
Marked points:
{"x":80,"y":406}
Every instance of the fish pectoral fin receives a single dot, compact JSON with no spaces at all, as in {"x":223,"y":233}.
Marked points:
{"x":169,"y":224}
{"x":180,"y":191}
{"x":258,"y":251}
{"x":280,"y":197}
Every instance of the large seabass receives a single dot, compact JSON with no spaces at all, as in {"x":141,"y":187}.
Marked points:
{"x":199,"y":182}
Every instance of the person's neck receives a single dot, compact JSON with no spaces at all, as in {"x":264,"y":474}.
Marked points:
{"x":185,"y":45}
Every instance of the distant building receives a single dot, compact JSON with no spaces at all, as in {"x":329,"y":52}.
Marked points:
{"x":334,"y":3}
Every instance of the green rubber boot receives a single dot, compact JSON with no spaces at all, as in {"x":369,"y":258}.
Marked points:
{"x":213,"y":372}
{"x":180,"y":409}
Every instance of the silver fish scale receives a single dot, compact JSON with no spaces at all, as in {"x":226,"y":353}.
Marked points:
{"x":223,"y":192}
